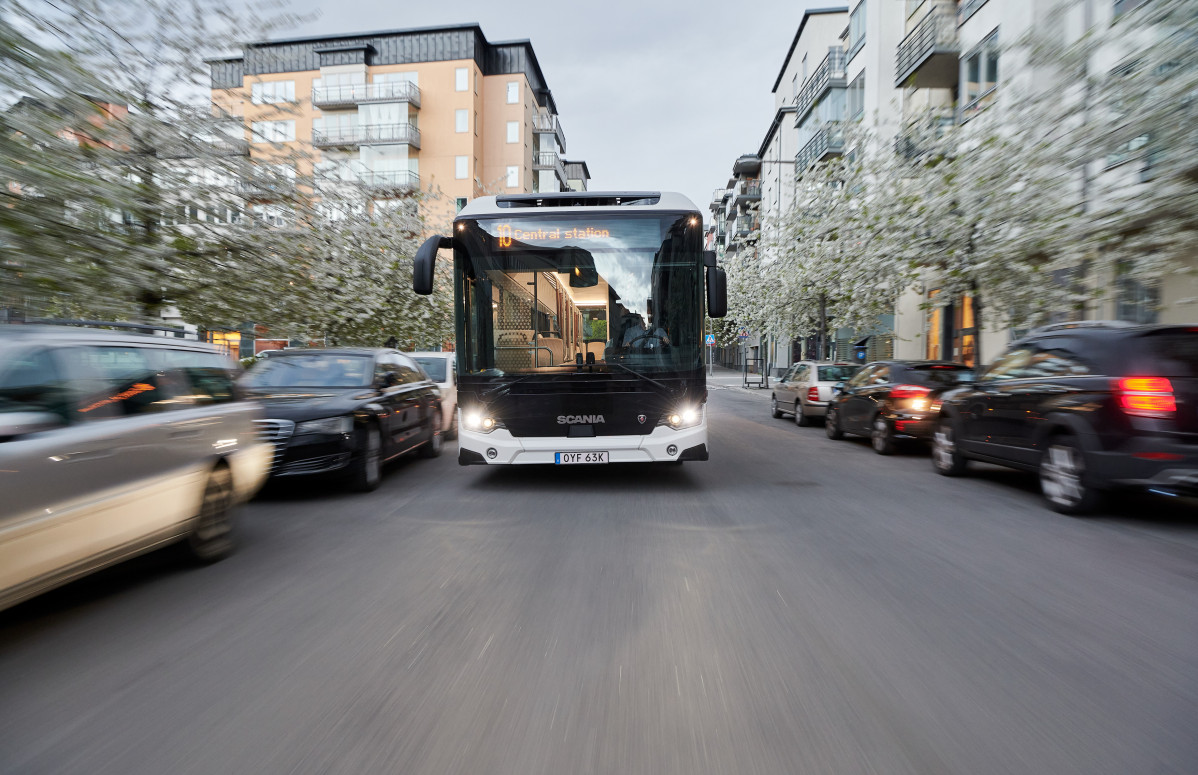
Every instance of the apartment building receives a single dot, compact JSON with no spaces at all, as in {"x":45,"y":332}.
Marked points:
{"x":438,"y":109}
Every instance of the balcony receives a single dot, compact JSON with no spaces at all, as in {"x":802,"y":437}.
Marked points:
{"x":746,"y":225}
{"x":351,"y":95}
{"x":717,"y":197}
{"x":549,"y":160}
{"x":927,"y":57}
{"x":264,"y":187}
{"x":747,"y":191}
{"x":827,"y":142}
{"x":367,"y":134}
{"x":394,"y":181}
{"x":829,"y":75}
{"x":549,"y":124}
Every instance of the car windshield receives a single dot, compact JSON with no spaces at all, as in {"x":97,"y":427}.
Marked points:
{"x":837,"y":373}
{"x":435,"y":367}
{"x":315,"y":370}
{"x":937,"y":376}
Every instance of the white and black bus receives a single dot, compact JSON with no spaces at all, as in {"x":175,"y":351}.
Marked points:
{"x":580,"y":327}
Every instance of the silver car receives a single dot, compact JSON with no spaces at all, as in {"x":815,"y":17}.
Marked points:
{"x":805,"y":389}
{"x":114,"y":444}
{"x":442,"y":368}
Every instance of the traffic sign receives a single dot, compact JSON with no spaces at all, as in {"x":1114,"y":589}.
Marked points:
{"x":744,"y":333}
{"x":710,"y":339}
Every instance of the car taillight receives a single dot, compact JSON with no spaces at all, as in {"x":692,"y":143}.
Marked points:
{"x":812,"y":394}
{"x":1147,"y":396}
{"x":909,"y":391}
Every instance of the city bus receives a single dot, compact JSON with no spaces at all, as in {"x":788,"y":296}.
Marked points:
{"x":579,"y":327}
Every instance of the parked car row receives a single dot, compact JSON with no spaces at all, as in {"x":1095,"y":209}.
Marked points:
{"x":114,"y":444}
{"x":1090,"y":407}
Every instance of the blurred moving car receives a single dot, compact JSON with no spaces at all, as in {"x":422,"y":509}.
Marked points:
{"x":805,"y":389}
{"x":345,"y":411}
{"x":1090,"y":406}
{"x":442,"y":368}
{"x":892,"y":401}
{"x":113,"y":444}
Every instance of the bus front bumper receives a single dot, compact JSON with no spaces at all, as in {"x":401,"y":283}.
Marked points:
{"x":499,"y":447}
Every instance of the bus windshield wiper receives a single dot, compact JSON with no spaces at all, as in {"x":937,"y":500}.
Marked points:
{"x":639,"y":375}
{"x":504,"y":386}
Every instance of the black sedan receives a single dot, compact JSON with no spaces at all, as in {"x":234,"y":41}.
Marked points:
{"x":890,"y":401}
{"x":345,"y":411}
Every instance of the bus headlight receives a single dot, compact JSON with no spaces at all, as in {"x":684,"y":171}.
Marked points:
{"x":683,"y":417}
{"x":477,"y":421}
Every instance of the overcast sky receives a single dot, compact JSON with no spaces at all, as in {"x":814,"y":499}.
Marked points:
{"x":653,"y":95}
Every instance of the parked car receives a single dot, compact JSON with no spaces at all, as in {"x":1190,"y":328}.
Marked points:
{"x":892,"y":401}
{"x":1091,"y":407}
{"x":442,"y":368}
{"x":345,"y":411}
{"x":804,"y":390}
{"x":113,"y":444}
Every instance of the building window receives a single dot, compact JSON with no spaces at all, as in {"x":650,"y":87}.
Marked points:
{"x":461,"y":79}
{"x":513,"y":177}
{"x":271,"y":92}
{"x":461,"y":121}
{"x":273,"y":131}
{"x":513,"y":92}
{"x":856,"y":98}
{"x":461,"y":165}
{"x":979,"y":77}
{"x":513,"y":131}
{"x":856,"y":30}
{"x":1123,"y":6}
{"x":459,"y":203}
{"x":1137,"y":301}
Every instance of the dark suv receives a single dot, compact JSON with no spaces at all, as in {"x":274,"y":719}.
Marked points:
{"x":892,"y":401}
{"x":1090,"y":406}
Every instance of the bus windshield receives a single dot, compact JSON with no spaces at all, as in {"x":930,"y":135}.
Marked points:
{"x":544,"y":293}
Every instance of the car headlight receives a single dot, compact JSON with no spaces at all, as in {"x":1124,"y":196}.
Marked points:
{"x":480,"y":422}
{"x":682,"y":417}
{"x":328,"y":425}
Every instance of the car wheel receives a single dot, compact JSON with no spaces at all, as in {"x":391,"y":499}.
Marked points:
{"x":947,"y":459}
{"x":801,"y":418}
{"x":432,"y":448}
{"x":881,"y":437}
{"x":832,"y":424}
{"x":366,"y":472}
{"x":774,"y":410}
{"x":212,"y":537}
{"x":1063,"y":477}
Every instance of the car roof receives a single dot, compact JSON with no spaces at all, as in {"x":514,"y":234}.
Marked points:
{"x":301,"y":351}
{"x":23,"y":334}
{"x":431,"y":354}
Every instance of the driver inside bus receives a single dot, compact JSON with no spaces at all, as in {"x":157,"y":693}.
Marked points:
{"x":645,"y":337}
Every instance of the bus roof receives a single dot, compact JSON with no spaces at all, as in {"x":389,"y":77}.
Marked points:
{"x":591,"y":201}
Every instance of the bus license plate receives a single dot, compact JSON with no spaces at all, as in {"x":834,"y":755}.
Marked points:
{"x":569,"y":458}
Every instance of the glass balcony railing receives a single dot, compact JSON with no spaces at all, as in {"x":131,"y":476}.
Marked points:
{"x":393,"y":180}
{"x":367,"y":134}
{"x":929,"y":52}
{"x":827,"y":142}
{"x":360,"y":93}
{"x":830,"y":74}
{"x":548,"y":123}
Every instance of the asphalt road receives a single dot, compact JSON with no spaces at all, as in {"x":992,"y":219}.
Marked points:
{"x":795,"y":605}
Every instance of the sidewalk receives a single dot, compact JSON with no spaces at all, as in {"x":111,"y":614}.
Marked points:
{"x":731,"y":379}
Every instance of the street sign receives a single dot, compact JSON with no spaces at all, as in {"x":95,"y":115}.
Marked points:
{"x":744,"y":333}
{"x":710,"y":339}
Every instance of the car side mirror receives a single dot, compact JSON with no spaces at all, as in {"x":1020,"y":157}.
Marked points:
{"x":14,"y":424}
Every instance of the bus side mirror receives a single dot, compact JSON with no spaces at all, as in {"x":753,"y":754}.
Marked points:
{"x":709,"y":258}
{"x":717,"y":292}
{"x":426,"y":260}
